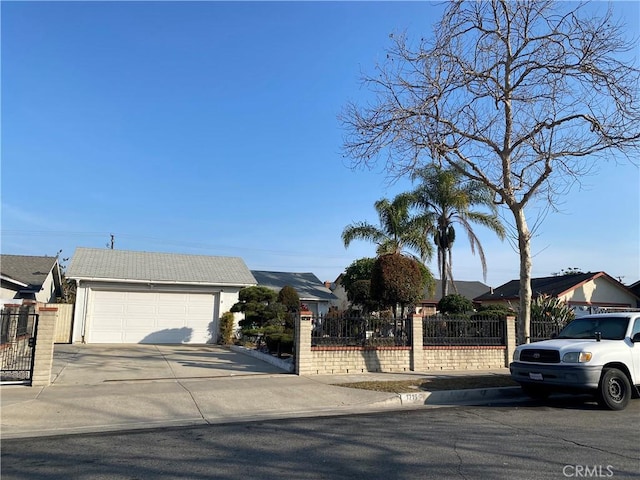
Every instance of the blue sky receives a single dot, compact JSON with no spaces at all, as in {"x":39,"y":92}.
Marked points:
{"x":211,"y":128}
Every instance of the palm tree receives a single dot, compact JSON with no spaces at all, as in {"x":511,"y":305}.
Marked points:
{"x":443,"y":194}
{"x":398,"y":230}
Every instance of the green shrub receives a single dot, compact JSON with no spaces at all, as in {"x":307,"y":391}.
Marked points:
{"x":496,"y":311}
{"x":548,"y":316}
{"x":455,"y":304}
{"x":289,"y":298}
{"x":279,"y":343}
{"x":226,"y":328}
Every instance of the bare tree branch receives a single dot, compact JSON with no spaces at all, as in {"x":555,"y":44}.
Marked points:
{"x":524,"y":97}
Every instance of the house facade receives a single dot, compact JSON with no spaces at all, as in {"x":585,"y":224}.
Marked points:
{"x":470,"y":290}
{"x":158,"y":298}
{"x":341,"y":301}
{"x":26,"y":277}
{"x":584,"y":293}
{"x":312,"y":292}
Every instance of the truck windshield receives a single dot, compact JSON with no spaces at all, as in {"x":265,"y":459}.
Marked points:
{"x":610,"y":328}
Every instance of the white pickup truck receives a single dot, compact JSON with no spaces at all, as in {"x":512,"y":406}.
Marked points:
{"x":597,"y":354}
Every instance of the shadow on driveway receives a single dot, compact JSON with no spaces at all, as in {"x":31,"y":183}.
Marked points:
{"x":90,"y":364}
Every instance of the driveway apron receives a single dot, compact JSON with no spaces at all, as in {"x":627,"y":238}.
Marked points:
{"x":94,"y":364}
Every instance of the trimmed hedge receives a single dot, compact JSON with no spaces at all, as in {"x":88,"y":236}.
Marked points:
{"x":279,"y":343}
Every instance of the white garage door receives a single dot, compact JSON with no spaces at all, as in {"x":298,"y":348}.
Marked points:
{"x":150,"y":317}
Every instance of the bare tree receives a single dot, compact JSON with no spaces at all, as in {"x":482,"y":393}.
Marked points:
{"x":523,"y":96}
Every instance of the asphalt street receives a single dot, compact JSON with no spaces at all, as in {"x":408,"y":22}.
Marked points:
{"x":562,"y":438}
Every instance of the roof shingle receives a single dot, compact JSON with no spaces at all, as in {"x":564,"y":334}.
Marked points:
{"x":554,"y":286}
{"x":123,"y":265}
{"x":27,"y":269}
{"x":307,"y":285}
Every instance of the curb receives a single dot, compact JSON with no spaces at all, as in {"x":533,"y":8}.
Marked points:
{"x":447,"y":397}
{"x":276,"y":362}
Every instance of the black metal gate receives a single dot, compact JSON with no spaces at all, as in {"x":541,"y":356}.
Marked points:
{"x":17,"y":345}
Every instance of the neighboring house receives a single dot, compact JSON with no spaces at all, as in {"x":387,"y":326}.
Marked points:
{"x":470,"y":290}
{"x":25,"y":277}
{"x":312,"y":292}
{"x":341,"y":301}
{"x":635,"y":288}
{"x":142,"y":297}
{"x":583,"y":292}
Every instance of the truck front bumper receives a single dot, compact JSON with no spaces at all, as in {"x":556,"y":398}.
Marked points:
{"x":578,"y":378}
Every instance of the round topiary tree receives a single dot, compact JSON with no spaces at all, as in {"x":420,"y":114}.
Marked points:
{"x":397,"y":280}
{"x":290,"y":299}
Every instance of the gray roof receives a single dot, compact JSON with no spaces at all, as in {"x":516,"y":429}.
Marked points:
{"x":123,"y":265}
{"x":307,"y":285}
{"x":467,"y":289}
{"x":554,"y":286}
{"x":29,"y":270}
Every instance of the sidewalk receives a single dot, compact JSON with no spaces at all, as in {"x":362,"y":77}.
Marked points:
{"x":158,"y":386}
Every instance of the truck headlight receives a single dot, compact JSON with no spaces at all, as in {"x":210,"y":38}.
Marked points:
{"x":576,"y":357}
{"x":516,"y":355}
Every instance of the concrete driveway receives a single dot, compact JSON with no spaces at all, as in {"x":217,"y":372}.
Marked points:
{"x":81,"y":364}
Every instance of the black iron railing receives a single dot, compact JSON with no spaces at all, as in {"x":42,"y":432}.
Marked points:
{"x":450,"y":331}
{"x":358,"y":331}
{"x":17,"y":345}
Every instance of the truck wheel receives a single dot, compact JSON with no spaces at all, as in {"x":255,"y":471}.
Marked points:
{"x":614,"y":391}
{"x":535,"y":392}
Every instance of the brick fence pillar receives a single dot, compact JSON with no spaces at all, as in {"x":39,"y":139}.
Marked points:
{"x":304,"y":361}
{"x":510,"y":339}
{"x":417,"y":350}
{"x":43,"y":360}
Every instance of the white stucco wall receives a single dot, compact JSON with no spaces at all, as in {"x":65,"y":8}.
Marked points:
{"x":600,"y":291}
{"x":7,"y":293}
{"x":48,"y":292}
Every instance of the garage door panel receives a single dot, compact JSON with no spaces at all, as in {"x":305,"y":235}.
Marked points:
{"x":140,"y":309}
{"x":172,"y":309}
{"x":150,"y":317}
{"x":110,"y":309}
{"x":171,"y":322}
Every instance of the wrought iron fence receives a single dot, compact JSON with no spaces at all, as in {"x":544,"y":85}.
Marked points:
{"x":543,"y":329}
{"x":17,"y":342}
{"x":358,"y":331}
{"x":449,"y":331}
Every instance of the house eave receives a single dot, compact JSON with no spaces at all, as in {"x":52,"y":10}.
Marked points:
{"x":158,"y":282}
{"x":17,"y":283}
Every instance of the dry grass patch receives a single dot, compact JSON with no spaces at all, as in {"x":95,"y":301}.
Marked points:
{"x":431,"y":384}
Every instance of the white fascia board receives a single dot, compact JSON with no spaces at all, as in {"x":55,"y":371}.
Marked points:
{"x":14,"y":281}
{"x":159,"y":282}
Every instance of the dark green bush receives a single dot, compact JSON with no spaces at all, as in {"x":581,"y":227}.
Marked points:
{"x":455,"y":304}
{"x":497,"y":312}
{"x":279,"y":343}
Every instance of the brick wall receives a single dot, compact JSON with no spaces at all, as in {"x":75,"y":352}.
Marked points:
{"x":338,"y":360}
{"x":463,"y":358}
{"x":334,"y":360}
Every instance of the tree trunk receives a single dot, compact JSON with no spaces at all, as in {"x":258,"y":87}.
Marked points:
{"x":524,"y":247}
{"x":443,"y":269}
